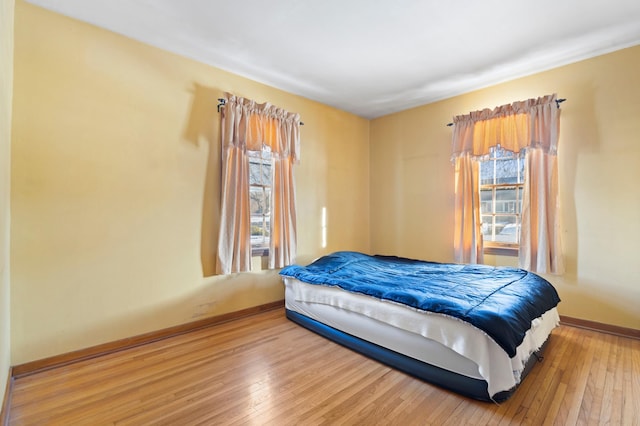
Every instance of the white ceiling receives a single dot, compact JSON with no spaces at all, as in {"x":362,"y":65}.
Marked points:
{"x":372,"y":57}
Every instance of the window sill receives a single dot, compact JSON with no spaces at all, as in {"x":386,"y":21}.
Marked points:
{"x":501,"y":250}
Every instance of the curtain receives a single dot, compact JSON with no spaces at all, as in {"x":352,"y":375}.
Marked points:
{"x":282,"y":244}
{"x":530,"y":127}
{"x":249,"y":126}
{"x":467,"y":242}
{"x":540,"y":244}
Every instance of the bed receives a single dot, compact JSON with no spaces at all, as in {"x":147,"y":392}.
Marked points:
{"x":473,"y":329}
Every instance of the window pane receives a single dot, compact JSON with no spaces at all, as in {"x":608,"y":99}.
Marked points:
{"x":487,"y":227}
{"x":486,"y":172}
{"x":260,"y":196}
{"x":267,"y":201}
{"x":259,"y":231}
{"x":507,"y":230}
{"x":521,"y":168}
{"x":506,"y":171}
{"x":257,"y":202}
{"x":259,"y":167}
{"x":506,"y":199}
{"x":266,"y":173}
{"x":486,"y":201}
{"x":255,"y":174}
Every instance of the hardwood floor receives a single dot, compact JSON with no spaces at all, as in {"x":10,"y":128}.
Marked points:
{"x":264,"y":369}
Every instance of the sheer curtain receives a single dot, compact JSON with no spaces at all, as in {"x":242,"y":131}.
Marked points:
{"x":528,"y":127}
{"x":249,"y":126}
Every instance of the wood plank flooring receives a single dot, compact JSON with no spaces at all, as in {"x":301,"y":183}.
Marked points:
{"x":266,"y":370}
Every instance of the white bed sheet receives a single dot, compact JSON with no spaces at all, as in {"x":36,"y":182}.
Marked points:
{"x":437,"y":339}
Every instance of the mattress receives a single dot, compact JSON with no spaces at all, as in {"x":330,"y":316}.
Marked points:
{"x":437,"y":339}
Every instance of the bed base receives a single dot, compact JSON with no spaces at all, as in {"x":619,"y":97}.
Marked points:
{"x":467,"y":386}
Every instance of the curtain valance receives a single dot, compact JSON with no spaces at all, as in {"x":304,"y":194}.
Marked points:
{"x":251,"y":126}
{"x":533,"y":123}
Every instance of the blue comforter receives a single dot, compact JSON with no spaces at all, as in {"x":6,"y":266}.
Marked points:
{"x":500,"y":301}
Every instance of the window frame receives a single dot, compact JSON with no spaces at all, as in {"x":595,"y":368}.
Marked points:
{"x":261,"y":158}
{"x":501,"y":247}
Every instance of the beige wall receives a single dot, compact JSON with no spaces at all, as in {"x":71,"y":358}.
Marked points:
{"x":599,"y":166}
{"x":115,"y":182}
{"x":6,"y":91}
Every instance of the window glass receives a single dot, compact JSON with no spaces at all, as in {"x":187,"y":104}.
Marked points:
{"x":501,"y":185}
{"x":260,"y":181}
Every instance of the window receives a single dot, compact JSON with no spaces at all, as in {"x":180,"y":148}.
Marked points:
{"x":490,"y":201}
{"x":260,"y":183}
{"x":501,"y":186}
{"x":249,"y":198}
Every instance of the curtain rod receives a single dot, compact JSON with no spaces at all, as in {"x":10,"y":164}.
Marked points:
{"x":558,"y":102}
{"x":223,"y":101}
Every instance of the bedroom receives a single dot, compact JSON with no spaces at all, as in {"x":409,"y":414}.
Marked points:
{"x":111,"y":146}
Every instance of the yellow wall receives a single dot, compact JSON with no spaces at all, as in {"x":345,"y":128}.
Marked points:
{"x":115,"y":177}
{"x":6,"y":91}
{"x":599,"y":169}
